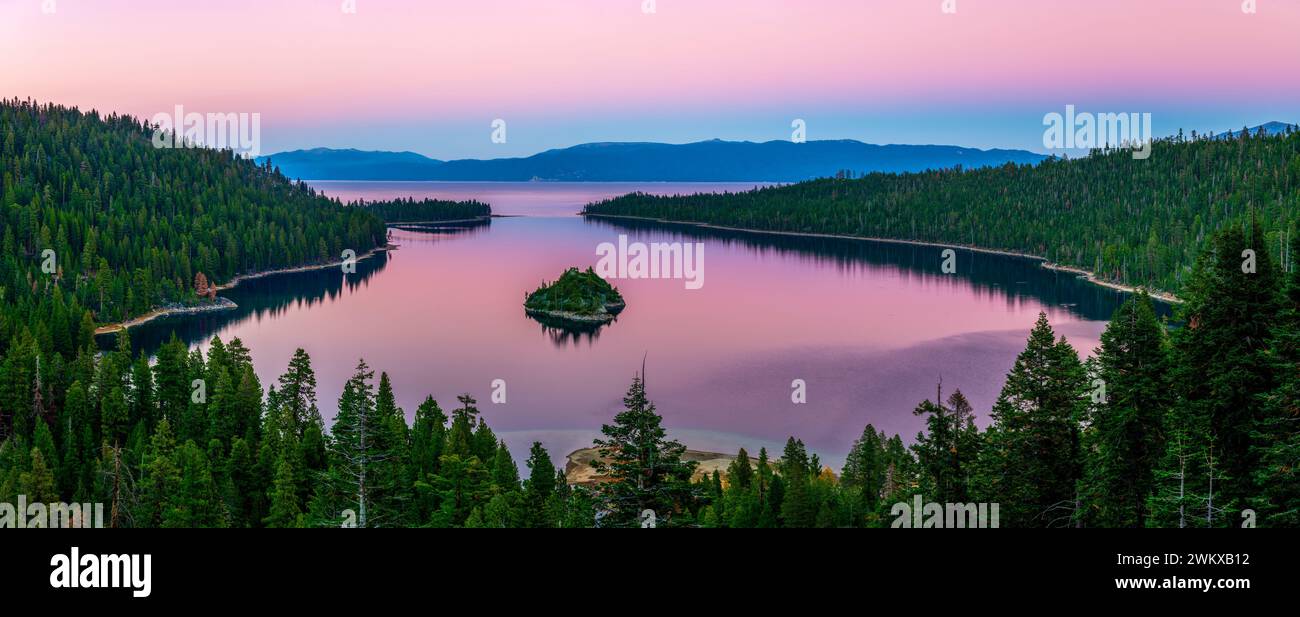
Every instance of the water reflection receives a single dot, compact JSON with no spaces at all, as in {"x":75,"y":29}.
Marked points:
{"x":564,"y":333}
{"x":261,"y":298}
{"x":448,"y":228}
{"x":987,"y":275}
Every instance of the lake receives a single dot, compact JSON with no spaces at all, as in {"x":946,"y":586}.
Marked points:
{"x":869,"y":327}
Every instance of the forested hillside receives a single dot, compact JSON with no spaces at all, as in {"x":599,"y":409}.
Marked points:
{"x":130,"y":226}
{"x":1139,"y":222}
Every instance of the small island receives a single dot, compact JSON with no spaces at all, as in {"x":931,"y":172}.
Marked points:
{"x":576,"y":300}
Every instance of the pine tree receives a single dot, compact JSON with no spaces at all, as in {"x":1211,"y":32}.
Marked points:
{"x":1178,"y":492}
{"x":17,"y":384}
{"x":740,"y":473}
{"x":483,"y":444}
{"x":1223,"y":369}
{"x":498,"y":513}
{"x":475,"y":519}
{"x":221,"y":414}
{"x":246,"y":405}
{"x":709,"y":518}
{"x":797,"y":506}
{"x":1124,"y":440}
{"x":161,"y":478}
{"x":643,"y":468}
{"x":764,"y":515}
{"x":903,"y":477}
{"x":195,"y":421}
{"x":460,"y":437}
{"x":354,"y":440}
{"x":284,"y":500}
{"x":428,"y":436}
{"x":38,"y":483}
{"x":197,"y":502}
{"x":967,"y":444}
{"x":578,"y":506}
{"x":74,"y":478}
{"x":142,"y":394}
{"x":244,"y":491}
{"x":43,"y":441}
{"x":114,"y":416}
{"x":463,"y":485}
{"x":1278,"y":432}
{"x":428,"y":439}
{"x":503,"y":509}
{"x":298,"y":391}
{"x":505,"y":475}
{"x":1034,"y":449}
{"x":948,"y":447}
{"x":388,"y":481}
{"x":715,"y":489}
{"x":539,"y":489}
{"x":171,"y":376}
{"x":864,"y":473}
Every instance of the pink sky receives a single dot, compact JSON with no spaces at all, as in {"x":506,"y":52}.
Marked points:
{"x":430,"y":75}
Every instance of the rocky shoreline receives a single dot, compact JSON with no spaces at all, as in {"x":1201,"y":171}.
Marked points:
{"x":611,"y":311}
{"x":220,"y":303}
{"x":216,"y":305}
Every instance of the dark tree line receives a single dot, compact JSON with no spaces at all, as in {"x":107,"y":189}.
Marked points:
{"x":1140,"y":222}
{"x":426,"y":210}
{"x":194,"y":441}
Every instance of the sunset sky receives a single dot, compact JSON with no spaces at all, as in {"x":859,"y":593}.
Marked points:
{"x":431,"y":75}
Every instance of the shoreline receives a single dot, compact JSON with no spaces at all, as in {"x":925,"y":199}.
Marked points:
{"x":611,"y":313}
{"x":1089,"y":276}
{"x":476,"y":219}
{"x":575,"y":318}
{"x":221,"y":304}
{"x":228,"y":304}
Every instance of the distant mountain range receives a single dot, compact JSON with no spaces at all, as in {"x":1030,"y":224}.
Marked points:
{"x":1270,"y":128}
{"x":704,"y":161}
{"x":328,"y":164}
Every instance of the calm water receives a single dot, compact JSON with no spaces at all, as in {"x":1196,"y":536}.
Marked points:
{"x":870,"y":327}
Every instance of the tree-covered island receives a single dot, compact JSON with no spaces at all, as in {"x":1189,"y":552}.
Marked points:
{"x":577,"y":298}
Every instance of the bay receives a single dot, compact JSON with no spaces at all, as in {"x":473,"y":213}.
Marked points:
{"x":870,"y":327}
